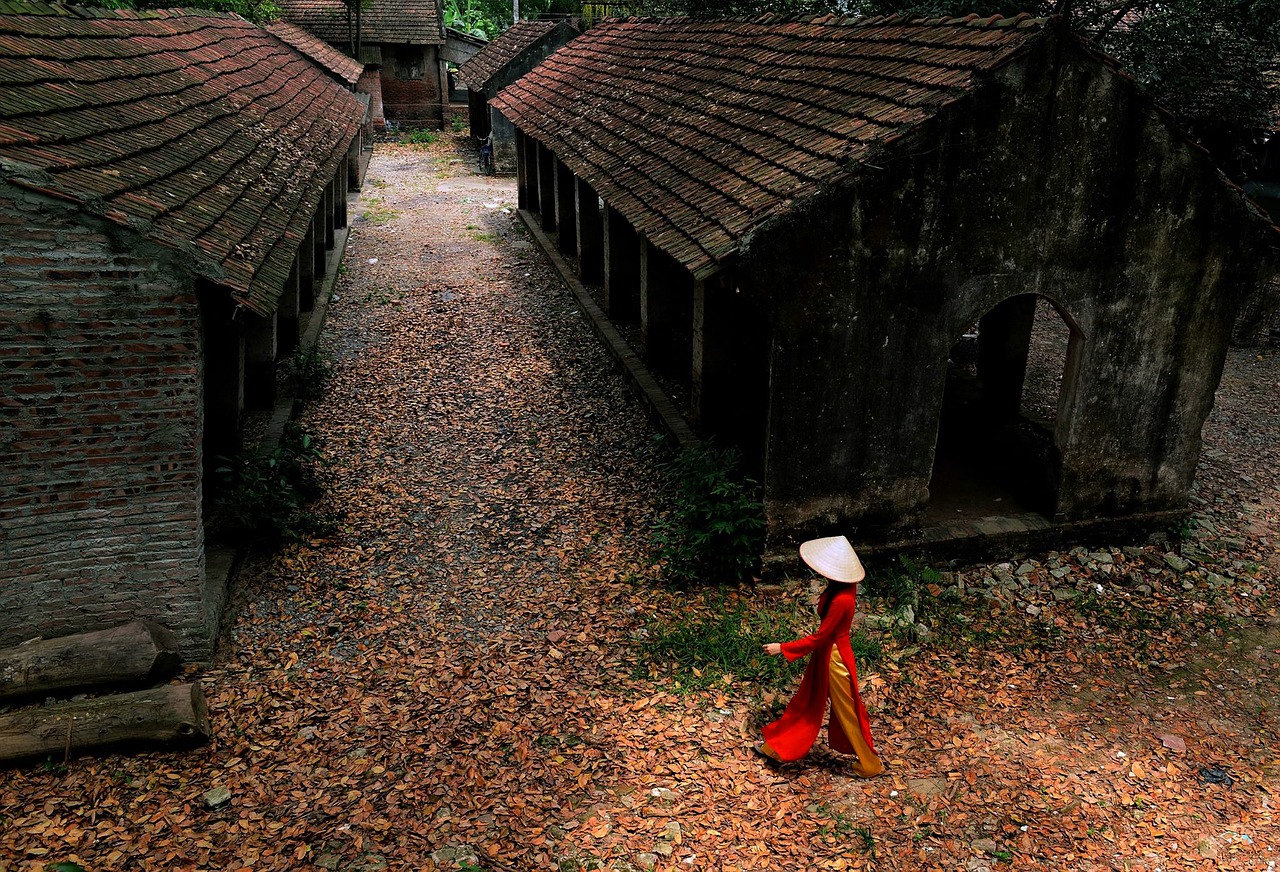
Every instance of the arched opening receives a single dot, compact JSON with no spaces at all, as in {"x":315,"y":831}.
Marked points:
{"x":1008,"y":382}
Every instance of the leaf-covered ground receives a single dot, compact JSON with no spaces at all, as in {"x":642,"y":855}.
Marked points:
{"x":456,"y":679}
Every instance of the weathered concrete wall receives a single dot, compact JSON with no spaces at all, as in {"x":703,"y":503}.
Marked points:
{"x":504,"y":132}
{"x":100,"y":448}
{"x":1055,"y":179}
{"x":370,"y":83}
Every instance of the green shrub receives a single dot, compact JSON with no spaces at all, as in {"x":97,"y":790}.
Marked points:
{"x":714,"y":530}
{"x":458,"y":123}
{"x":309,"y":372}
{"x":423,"y":137}
{"x":263,"y":497}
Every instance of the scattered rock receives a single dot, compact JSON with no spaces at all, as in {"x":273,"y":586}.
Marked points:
{"x":663,"y":848}
{"x":663,"y":794}
{"x":1026,"y":569}
{"x":671,"y":832}
{"x":927,"y":786}
{"x":459,"y":854}
{"x":1102,"y":557}
{"x":378,"y":863}
{"x":984,"y":846}
{"x":1173,"y":743}
{"x":646,"y":860}
{"x":1062,"y":594}
{"x":1176,"y":563}
{"x":330,"y":862}
{"x":217,"y":797}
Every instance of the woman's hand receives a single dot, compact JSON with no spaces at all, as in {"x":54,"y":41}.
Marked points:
{"x":772,"y":648}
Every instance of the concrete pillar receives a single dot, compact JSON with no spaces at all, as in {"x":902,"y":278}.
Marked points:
{"x":666,"y":313}
{"x":503,"y":133}
{"x":547,"y":188}
{"x":342,"y":191}
{"x":295,"y":287}
{"x":590,"y":234}
{"x":329,"y":219}
{"x":305,"y":267}
{"x":566,"y":209}
{"x":1004,"y":336}
{"x":531,"y":183}
{"x":320,"y":255}
{"x":352,"y":163}
{"x":621,"y":267}
{"x":259,"y":361}
{"x":522,"y":172}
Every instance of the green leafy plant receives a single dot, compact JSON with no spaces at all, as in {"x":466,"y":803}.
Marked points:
{"x":471,"y":18}
{"x":263,"y":497}
{"x":458,"y":123}
{"x":714,"y":530}
{"x":309,"y":372}
{"x":423,"y":137}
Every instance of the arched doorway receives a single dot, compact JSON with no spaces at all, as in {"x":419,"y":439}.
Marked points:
{"x":1009,"y":383}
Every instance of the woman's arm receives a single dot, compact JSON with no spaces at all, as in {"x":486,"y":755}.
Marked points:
{"x":837,"y":617}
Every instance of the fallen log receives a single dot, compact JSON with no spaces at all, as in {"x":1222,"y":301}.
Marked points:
{"x":173,"y":714}
{"x":133,"y":655}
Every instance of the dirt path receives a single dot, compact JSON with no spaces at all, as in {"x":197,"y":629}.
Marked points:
{"x":453,"y":681}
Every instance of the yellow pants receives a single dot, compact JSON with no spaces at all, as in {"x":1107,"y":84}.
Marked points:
{"x":844,"y":711}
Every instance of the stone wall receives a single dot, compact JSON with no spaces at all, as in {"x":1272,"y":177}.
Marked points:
{"x":100,"y":449}
{"x":1055,"y":179}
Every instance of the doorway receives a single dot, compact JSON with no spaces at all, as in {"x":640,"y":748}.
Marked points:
{"x":1008,"y":381}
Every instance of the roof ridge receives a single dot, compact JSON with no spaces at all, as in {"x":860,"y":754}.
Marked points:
{"x":71,"y":10}
{"x":1022,"y":20}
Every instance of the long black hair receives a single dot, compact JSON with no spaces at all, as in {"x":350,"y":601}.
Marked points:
{"x":824,"y":602}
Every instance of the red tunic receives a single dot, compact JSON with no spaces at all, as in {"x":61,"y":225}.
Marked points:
{"x":793,"y":734}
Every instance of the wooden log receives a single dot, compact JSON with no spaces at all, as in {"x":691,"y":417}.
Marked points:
{"x":173,"y":714}
{"x":132,"y":655}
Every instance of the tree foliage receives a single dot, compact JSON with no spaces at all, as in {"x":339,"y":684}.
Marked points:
{"x":254,"y":10}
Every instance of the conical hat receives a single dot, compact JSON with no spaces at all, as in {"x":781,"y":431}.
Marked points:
{"x":833,"y":557}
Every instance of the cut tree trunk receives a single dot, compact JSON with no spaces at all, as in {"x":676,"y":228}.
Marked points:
{"x":135,"y":654}
{"x":175,"y":713}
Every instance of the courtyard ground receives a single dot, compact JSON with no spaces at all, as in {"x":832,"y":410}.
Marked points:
{"x":463,"y":675}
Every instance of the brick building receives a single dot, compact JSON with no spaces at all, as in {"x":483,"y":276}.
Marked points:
{"x":514,"y":52}
{"x":802,"y":219}
{"x":169,"y":182}
{"x":400,"y":46}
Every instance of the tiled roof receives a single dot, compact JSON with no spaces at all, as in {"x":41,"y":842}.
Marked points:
{"x":416,"y":22}
{"x":340,"y":66}
{"x":699,"y":131}
{"x":198,"y":129}
{"x":504,"y":48}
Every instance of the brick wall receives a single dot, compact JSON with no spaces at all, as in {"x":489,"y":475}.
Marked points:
{"x":411,"y":89}
{"x":371,"y":83}
{"x":100,"y":432}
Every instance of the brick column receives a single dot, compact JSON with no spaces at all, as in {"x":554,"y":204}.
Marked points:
{"x":295,"y":287}
{"x":259,"y":361}
{"x":590,"y":234}
{"x":547,"y":188}
{"x":621,"y":267}
{"x":566,"y":209}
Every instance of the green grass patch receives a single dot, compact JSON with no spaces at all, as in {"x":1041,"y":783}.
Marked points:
{"x":726,"y":645}
{"x":377,"y":212}
{"x":481,"y":236}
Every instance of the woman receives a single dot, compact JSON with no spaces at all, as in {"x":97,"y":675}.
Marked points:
{"x":831,"y":673}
